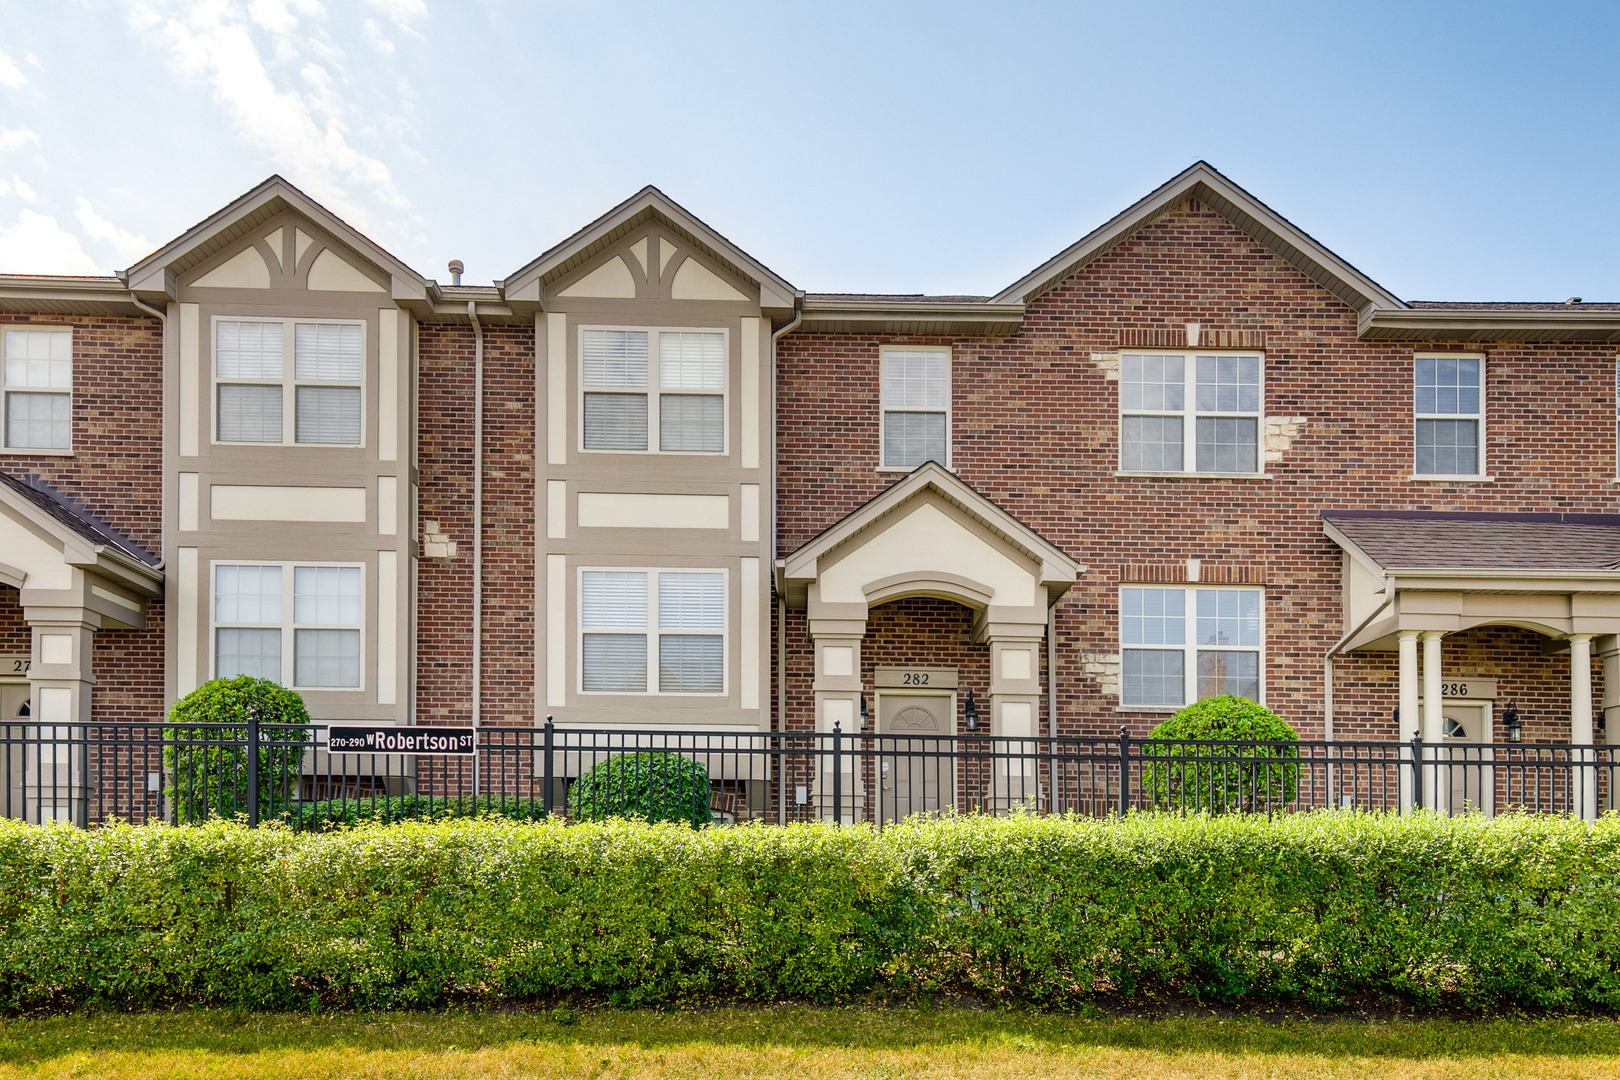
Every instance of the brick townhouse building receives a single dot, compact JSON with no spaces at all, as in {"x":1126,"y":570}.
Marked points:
{"x":645,"y":482}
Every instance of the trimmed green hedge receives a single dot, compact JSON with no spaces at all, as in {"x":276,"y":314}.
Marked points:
{"x":331,"y":813}
{"x":1319,"y":908}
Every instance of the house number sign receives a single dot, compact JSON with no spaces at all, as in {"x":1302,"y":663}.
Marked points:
{"x":915,"y":678}
{"x":14,"y":664}
{"x":1483,"y":689}
{"x":401,"y":740}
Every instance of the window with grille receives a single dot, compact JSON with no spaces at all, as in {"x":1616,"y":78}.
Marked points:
{"x":288,"y":381}
{"x":652,"y":631}
{"x":916,"y":392}
{"x":1181,"y":644}
{"x":1190,"y":412}
{"x":299,"y":626}
{"x":36,"y":383}
{"x":662,"y":391}
{"x":1448,"y":406}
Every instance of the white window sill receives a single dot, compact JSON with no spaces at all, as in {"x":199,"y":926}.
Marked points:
{"x":1149,"y":708}
{"x":1445,"y":478}
{"x":903,"y":469}
{"x":1123,"y":474}
{"x":26,"y":451}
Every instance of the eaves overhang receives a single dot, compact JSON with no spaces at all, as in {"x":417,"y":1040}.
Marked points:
{"x":48,"y":294}
{"x":1486,"y":324}
{"x":976,"y":319}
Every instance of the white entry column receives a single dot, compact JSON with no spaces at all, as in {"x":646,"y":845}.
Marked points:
{"x":60,"y":685}
{"x":1436,"y":783}
{"x":1580,"y":722}
{"x":836,"y":632}
{"x":1410,"y":722}
{"x":1015,"y":694}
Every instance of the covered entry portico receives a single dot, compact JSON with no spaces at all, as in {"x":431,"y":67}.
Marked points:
{"x":1414,"y":578}
{"x":928,"y":535}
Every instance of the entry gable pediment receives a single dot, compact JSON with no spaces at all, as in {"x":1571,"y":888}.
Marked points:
{"x":930,"y":534}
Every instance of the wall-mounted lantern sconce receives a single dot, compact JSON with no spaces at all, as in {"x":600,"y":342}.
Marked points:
{"x":1514,"y":726}
{"x":971,"y":712}
{"x":863,"y":711}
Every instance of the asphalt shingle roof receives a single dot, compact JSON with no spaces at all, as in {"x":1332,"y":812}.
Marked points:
{"x":1432,"y":540}
{"x":75,"y":516}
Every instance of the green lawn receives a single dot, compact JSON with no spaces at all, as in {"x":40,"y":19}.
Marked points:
{"x":802,"y":1043}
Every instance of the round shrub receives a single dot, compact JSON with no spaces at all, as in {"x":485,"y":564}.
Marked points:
{"x":1208,"y":758}
{"x":656,"y":787}
{"x":205,"y":749}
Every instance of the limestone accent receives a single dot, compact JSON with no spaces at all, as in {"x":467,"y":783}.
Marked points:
{"x":435,"y":544}
{"x":1104,"y":669}
{"x":255,"y":503}
{"x":244,"y":270}
{"x":1281,"y":431}
{"x":1108,"y":364}
{"x":612,"y":280}
{"x":330,"y":273}
{"x":609,"y":510}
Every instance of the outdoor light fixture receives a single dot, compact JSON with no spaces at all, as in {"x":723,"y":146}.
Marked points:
{"x":863,"y":710}
{"x":971,"y":711}
{"x":1510,"y":721}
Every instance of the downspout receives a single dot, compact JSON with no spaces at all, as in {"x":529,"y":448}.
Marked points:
{"x":1051,"y":669}
{"x":781,"y":601}
{"x":163,"y":334}
{"x":478,"y":533}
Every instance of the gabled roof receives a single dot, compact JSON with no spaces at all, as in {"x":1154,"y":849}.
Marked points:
{"x":1429,"y":541}
{"x":646,"y":205}
{"x":1057,"y":570}
{"x":153,"y":277}
{"x":1267,"y":227}
{"x":87,"y":540}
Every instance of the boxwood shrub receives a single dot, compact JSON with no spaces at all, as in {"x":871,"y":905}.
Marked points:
{"x":1322,"y":908}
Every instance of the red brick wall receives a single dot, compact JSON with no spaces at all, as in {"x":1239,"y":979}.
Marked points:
{"x":1035,"y":428}
{"x":444,"y":586}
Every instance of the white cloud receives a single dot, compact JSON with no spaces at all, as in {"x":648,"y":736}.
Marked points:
{"x":11,"y":75}
{"x":301,"y":131}
{"x":400,"y":12}
{"x":374,"y":38}
{"x":130,"y":246}
{"x":36,"y":244}
{"x":5,"y":189}
{"x":16,"y":138}
{"x":24,"y":192}
{"x":33,"y":60}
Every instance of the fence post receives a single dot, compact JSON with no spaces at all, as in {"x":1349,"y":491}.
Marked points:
{"x":838,"y":772}
{"x":83,"y":814}
{"x":1124,"y":770}
{"x":1417,"y":771}
{"x":545,"y":791}
{"x":253,"y":766}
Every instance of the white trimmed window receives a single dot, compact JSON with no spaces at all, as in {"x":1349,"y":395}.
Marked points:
{"x":37,"y":399}
{"x":1190,"y":412}
{"x":916,"y":407}
{"x":288,"y":381}
{"x":1182,"y":644}
{"x":628,"y":617}
{"x":1449,"y":408}
{"x":299,"y":626}
{"x":620,"y":378}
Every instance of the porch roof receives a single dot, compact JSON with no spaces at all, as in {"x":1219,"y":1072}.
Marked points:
{"x":1428,"y":540}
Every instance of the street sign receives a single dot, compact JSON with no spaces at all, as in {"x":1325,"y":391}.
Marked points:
{"x":401,"y":740}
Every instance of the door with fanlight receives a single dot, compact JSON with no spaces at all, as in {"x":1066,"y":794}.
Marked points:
{"x":916,"y":769}
{"x":1468,"y":783}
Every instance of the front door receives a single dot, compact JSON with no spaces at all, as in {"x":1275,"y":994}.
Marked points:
{"x":916,"y":772}
{"x":1469,"y":784}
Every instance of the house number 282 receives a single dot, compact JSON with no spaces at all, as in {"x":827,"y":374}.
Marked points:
{"x":916,"y":678}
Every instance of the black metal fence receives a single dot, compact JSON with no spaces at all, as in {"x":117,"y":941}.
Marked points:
{"x":94,"y":773}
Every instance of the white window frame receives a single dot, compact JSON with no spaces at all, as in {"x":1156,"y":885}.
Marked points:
{"x":1189,"y":412}
{"x":652,"y":632}
{"x":289,"y":628}
{"x":884,"y":408}
{"x":1189,"y":646}
{"x":1479,"y":418}
{"x":289,"y":381}
{"x":6,"y":391}
{"x":654,"y":389}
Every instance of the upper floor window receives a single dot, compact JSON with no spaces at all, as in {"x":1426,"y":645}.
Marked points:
{"x":620,"y":382}
{"x":628,"y":617}
{"x":288,"y":381}
{"x":318,"y":647}
{"x":1181,"y":644}
{"x":38,"y":382}
{"x":916,"y":407}
{"x":1449,"y":407}
{"x":1189,"y":412}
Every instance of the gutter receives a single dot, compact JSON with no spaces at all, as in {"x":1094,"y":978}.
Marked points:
{"x":478,"y":532}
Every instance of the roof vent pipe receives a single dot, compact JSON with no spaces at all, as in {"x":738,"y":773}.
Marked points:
{"x":1573,"y":300}
{"x":455,"y":271}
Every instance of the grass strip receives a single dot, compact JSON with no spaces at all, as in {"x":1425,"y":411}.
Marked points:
{"x":796,"y":1041}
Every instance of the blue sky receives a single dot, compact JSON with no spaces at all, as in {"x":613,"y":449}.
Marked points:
{"x":1451,"y":151}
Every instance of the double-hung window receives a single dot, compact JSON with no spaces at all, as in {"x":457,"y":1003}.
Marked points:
{"x":1182,"y":644}
{"x":37,"y":378}
{"x":318,"y":647}
{"x":630,"y":617}
{"x":916,"y":407}
{"x":288,"y":381}
{"x":620,"y":380}
{"x":1190,"y":412}
{"x":1449,"y":407}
